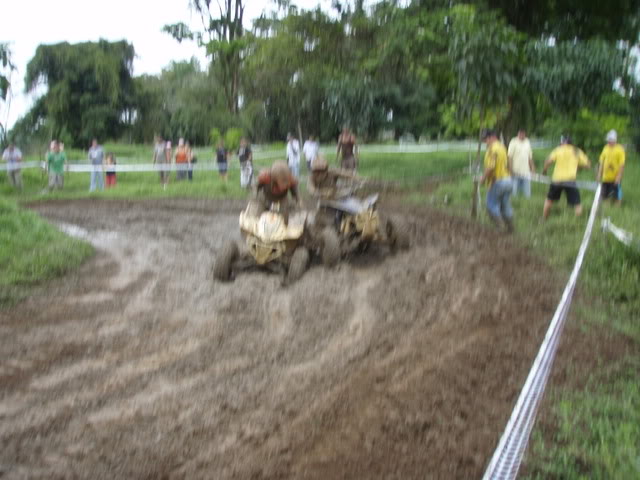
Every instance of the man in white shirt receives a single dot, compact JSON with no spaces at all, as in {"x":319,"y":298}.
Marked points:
{"x":96,"y":157}
{"x":13,"y":156}
{"x":310,"y":150}
{"x":521,"y":163}
{"x":293,"y":154}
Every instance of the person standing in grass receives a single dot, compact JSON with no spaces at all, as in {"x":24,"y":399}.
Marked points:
{"x":56,"y":162}
{"x":496,"y":175}
{"x":13,"y":156}
{"x":192,"y":160}
{"x":245,"y":156}
{"x":568,"y":159}
{"x":111,"y":170}
{"x":310,"y":149}
{"x":222,"y":157}
{"x":611,"y":168}
{"x":96,"y":157}
{"x":293,"y":154}
{"x":348,"y":147}
{"x":160,"y":158}
{"x":182,"y":160}
{"x":521,"y":163}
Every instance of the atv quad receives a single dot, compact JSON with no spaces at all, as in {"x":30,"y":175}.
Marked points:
{"x":270,"y":242}
{"x":354,"y":224}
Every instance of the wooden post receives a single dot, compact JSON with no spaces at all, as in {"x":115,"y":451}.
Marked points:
{"x":476,"y":168}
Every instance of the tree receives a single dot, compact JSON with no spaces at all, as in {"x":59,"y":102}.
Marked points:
{"x":182,"y":102}
{"x":225,"y":39}
{"x":572,"y":75}
{"x":5,"y":69}
{"x":88,"y":84}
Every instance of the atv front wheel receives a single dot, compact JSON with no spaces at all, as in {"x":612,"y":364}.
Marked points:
{"x":330,"y":247}
{"x":223,"y":266}
{"x":398,"y":234}
{"x":298,"y":265}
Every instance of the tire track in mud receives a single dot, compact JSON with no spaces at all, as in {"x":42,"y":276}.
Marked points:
{"x":139,"y":365}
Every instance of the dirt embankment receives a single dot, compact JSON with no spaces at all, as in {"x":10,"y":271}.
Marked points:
{"x":140,"y":366}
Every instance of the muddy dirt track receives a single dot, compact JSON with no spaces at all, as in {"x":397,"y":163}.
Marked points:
{"x":139,"y":365}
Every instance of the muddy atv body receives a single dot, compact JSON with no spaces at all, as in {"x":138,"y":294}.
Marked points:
{"x":355,"y":224}
{"x":270,"y":243}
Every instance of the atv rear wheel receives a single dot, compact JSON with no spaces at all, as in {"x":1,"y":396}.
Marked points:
{"x":398,"y":234}
{"x":330,"y":247}
{"x":298,"y":265}
{"x":223,"y":266}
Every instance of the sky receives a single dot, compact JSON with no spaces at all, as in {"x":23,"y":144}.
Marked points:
{"x":29,"y":24}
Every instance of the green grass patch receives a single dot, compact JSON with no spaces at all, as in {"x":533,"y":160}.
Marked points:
{"x":32,"y":251}
{"x":598,"y":428}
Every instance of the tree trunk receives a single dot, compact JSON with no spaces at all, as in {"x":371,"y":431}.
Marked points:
{"x":476,"y":168}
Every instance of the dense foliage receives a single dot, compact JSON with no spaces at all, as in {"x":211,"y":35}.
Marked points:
{"x":90,"y":91}
{"x":425,"y":68}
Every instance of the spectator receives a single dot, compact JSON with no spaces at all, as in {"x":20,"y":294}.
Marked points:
{"x":496,"y":174}
{"x":56,"y":162}
{"x":611,"y":168}
{"x":310,"y":149}
{"x":293,"y":154}
{"x":182,"y":160}
{"x":192,"y":159}
{"x":111,"y":170}
{"x":521,"y":163}
{"x":168,"y":156}
{"x":349,"y":149}
{"x":222,"y":155}
{"x":96,"y":157}
{"x":13,"y":157}
{"x":567,"y":159}
{"x":160,"y":158}
{"x":246,"y":163}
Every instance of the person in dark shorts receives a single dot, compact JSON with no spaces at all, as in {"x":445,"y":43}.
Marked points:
{"x":611,"y":168}
{"x":222,"y":156}
{"x":567,"y":158}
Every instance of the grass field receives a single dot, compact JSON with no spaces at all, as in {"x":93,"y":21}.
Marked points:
{"x":407,"y":168}
{"x":598,"y":427}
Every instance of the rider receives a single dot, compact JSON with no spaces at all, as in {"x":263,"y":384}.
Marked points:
{"x":274,"y":185}
{"x":323,"y":181}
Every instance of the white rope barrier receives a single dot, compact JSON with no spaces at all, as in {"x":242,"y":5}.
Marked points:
{"x":506,"y":460}
{"x":120,"y":167}
{"x":535,"y":177}
{"x":622,"y":235}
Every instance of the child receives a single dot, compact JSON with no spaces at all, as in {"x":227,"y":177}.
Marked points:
{"x":111,"y":170}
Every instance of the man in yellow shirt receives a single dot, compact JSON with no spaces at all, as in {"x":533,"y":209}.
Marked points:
{"x":611,"y":168}
{"x":567,"y":159}
{"x":496,"y":175}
